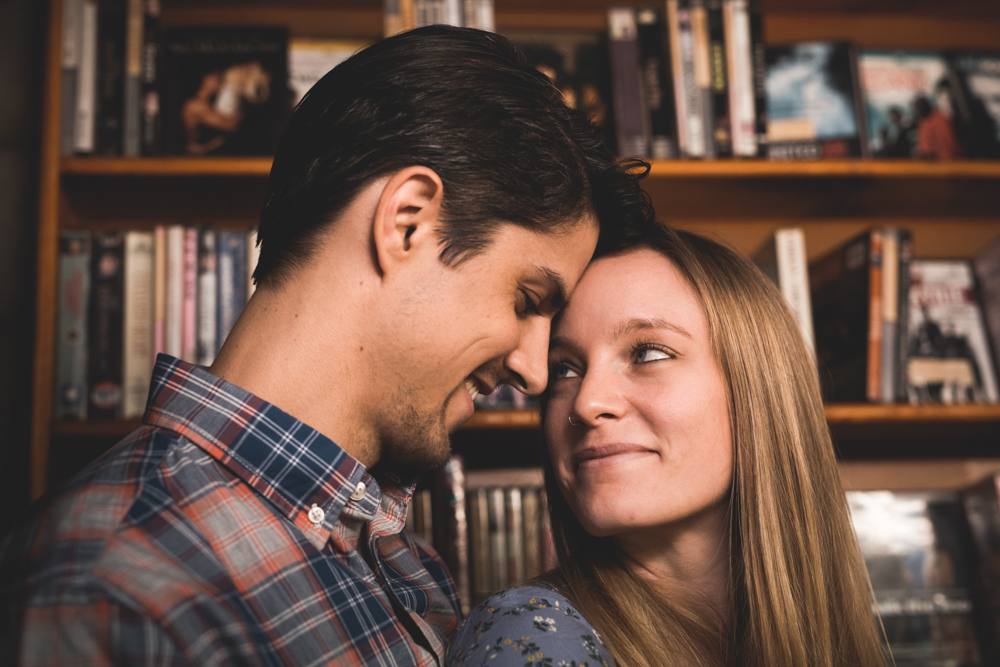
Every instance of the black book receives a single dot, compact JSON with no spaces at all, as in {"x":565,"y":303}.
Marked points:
{"x":977,"y":102}
{"x":110,"y":76}
{"x":719,"y":87}
{"x":658,"y":89}
{"x":104,"y":367}
{"x":759,"y":55}
{"x":224,"y":90}
{"x":151,"y":138}
{"x":982,"y":509}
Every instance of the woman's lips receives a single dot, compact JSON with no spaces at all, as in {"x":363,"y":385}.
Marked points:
{"x":609,"y":455}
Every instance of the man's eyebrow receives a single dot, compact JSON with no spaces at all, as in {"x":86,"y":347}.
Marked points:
{"x":638,"y":324}
{"x":556,"y":284}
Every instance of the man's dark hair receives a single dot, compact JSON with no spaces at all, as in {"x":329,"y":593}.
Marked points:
{"x":464,"y":103}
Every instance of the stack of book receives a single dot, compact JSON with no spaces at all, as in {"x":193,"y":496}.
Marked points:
{"x":126,"y":296}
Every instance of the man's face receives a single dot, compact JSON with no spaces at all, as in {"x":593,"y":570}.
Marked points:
{"x":463,"y":330}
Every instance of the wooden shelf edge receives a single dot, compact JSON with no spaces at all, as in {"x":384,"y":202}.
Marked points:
{"x":848,"y":413}
{"x":261,"y":167}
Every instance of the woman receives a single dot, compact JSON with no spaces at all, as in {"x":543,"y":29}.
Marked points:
{"x":695,"y":502}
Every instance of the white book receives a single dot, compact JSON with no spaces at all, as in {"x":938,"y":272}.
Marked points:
{"x":159,"y":288}
{"x":137,"y":336}
{"x":173,"y":318}
{"x":783,"y":258}
{"x":72,"y":35}
{"x":208,"y":286}
{"x":253,"y":254}
{"x":739,"y":61}
{"x":478,"y":14}
{"x":310,"y":59}
{"x":86,"y":88}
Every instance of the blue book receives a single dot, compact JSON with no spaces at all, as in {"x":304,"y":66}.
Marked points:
{"x":74,"y":295}
{"x":232,"y":281}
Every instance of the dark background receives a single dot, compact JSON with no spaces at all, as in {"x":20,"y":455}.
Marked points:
{"x":22,"y":60}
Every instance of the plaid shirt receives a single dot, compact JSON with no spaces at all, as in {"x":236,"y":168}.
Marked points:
{"x":224,"y":531}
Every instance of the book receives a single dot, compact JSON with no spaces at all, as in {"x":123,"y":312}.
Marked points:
{"x":478,"y":14}
{"x":812,"y":102}
{"x":208,"y":293}
{"x":909,"y":104}
{"x":843,"y":283}
{"x":232,"y":298}
{"x":657,"y":88}
{"x":253,"y":254}
{"x":423,"y":515}
{"x":515,"y":537}
{"x":159,"y":289}
{"x":986,"y":265}
{"x":950,"y":359}
{"x":397,"y":16}
{"x":189,"y":296}
{"x":722,"y":137}
{"x":626,"y":80}
{"x":688,"y":37}
{"x":784,"y":260}
{"x":532,"y":532}
{"x":173,"y":315}
{"x":71,"y":332}
{"x":905,"y":251}
{"x":135,"y":20}
{"x":110,"y":76}
{"x":151,"y":131}
{"x":451,"y":527}
{"x":137,"y":362}
{"x":432,"y":12}
{"x":982,"y":510}
{"x":977,"y":108}
{"x":224,"y":90}
{"x":310,"y":59}
{"x":105,"y":325}
{"x":72,"y":35}
{"x":917,"y":549}
{"x":740,"y":74}
{"x":86,"y":88}
{"x":497,"y":525}
{"x":759,"y":55}
{"x":479,"y":544}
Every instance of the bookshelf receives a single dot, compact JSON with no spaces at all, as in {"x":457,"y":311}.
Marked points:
{"x":952,"y":208}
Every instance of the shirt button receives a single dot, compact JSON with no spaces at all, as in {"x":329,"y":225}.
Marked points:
{"x":316,"y":514}
{"x":359,"y":492}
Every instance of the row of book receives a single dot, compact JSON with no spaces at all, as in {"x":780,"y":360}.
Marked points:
{"x":125,"y":296}
{"x":694,"y":79}
{"x":490,"y":526}
{"x":888,"y":328}
{"x":933,"y":557}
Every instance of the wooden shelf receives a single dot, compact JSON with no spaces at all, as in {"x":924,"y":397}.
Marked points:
{"x":261,"y":167}
{"x":521,"y":419}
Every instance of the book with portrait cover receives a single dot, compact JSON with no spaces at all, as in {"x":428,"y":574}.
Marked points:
{"x":812,"y":102}
{"x":950,"y":359}
{"x":918,"y":551}
{"x":977,"y":113}
{"x":224,"y":90}
{"x":910,"y":105}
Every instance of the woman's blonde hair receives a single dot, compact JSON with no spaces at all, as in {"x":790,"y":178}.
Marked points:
{"x":799,"y":590}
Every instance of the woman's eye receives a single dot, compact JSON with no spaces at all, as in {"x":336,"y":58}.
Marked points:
{"x":561,"y":372}
{"x":648,"y":354}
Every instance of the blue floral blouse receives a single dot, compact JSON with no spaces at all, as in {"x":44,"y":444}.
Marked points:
{"x":524,"y":627}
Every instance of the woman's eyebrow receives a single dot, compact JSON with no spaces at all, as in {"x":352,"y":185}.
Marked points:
{"x":641,"y":323}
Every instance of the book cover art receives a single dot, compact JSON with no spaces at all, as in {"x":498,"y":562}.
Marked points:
{"x":71,"y":332}
{"x":950,"y":359}
{"x":310,"y":59}
{"x":978,"y":103}
{"x":917,"y":549}
{"x":987,"y":267}
{"x":812,"y":102}
{"x":224,"y":90}
{"x":910,"y":105}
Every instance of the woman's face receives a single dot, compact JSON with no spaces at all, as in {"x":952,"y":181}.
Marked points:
{"x":631,"y":362}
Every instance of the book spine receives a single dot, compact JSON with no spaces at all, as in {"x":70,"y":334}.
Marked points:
{"x":478,"y":14}
{"x":208,"y":291}
{"x":479,"y":544}
{"x":657,"y":89}
{"x":151,"y":133}
{"x":532,"y":531}
{"x":72,"y":33}
{"x":137,"y":362}
{"x":397,"y":16}
{"x":453,"y":528}
{"x":132,"y":121}
{"x":759,"y":56}
{"x":110,"y":76}
{"x":687,"y":95}
{"x":173,"y":317}
{"x":189,"y":299}
{"x":498,"y":539}
{"x":104,"y":372}
{"x":74,"y":295}
{"x":677,"y":73}
{"x":253,"y":255}
{"x":159,"y":289}
{"x":232,"y":282}
{"x":793,"y":278}
{"x":86,"y":89}
{"x":890,"y":316}
{"x":547,"y":547}
{"x":703,"y":75}
{"x":630,"y":133}
{"x":515,"y":536}
{"x":905,"y":249}
{"x":873,"y":372}
{"x":739,"y":60}
{"x":719,"y":87}
{"x":423,"y":515}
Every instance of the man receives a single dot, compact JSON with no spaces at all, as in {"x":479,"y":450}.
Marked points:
{"x":430,"y":208}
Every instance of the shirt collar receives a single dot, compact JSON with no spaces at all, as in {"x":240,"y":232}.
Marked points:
{"x":291,"y":464}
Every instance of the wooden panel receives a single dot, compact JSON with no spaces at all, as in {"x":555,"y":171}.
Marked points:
{"x":915,"y":475}
{"x":353,"y":22}
{"x":887,"y":30}
{"x":167,"y":166}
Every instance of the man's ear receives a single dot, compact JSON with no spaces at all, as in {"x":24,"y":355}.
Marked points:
{"x":406,"y":217}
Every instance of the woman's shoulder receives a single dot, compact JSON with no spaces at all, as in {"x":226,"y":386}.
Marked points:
{"x":527,"y":625}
